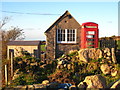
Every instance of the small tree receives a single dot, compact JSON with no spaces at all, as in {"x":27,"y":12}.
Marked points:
{"x":14,"y":33}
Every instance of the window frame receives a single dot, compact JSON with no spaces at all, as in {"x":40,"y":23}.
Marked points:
{"x":66,"y":36}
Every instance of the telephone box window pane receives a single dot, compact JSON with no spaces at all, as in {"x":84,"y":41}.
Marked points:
{"x":90,"y":36}
{"x":91,"y":32}
{"x":90,"y":39}
{"x":90,"y":46}
{"x":90,"y":43}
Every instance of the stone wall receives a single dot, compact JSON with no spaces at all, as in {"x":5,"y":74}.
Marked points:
{"x":64,"y":49}
{"x":106,"y":54}
{"x":50,"y":44}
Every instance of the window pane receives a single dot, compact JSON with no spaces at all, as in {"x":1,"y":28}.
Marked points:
{"x":63,"y":31}
{"x":73,"y":35}
{"x":58,"y":31}
{"x":90,"y":36}
{"x":63,"y":37}
{"x":70,"y":35}
{"x":58,"y":39}
{"x":68,"y":31}
{"x":90,"y":46}
{"x":70,"y":39}
{"x":91,"y":32}
{"x":90,"y":39}
{"x":90,"y":43}
{"x":73,"y":31}
{"x":73,"y":38}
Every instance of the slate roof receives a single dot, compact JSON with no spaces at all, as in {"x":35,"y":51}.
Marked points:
{"x":58,"y":20}
{"x":24,"y":43}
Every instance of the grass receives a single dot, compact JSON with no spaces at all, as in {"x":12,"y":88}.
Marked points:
{"x":42,"y":47}
{"x":118,"y":43}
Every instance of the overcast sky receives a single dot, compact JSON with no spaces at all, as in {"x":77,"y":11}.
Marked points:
{"x":35,"y":17}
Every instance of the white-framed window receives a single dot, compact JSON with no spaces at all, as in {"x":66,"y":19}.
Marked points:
{"x":66,"y":36}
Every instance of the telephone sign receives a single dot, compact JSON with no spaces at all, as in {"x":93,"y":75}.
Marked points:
{"x":89,"y":35}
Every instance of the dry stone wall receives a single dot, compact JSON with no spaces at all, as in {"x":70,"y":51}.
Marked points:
{"x":106,"y":54}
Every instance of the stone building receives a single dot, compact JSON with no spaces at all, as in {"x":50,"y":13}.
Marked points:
{"x":15,"y":47}
{"x":62,"y":36}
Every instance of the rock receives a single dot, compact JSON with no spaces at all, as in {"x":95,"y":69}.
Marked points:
{"x":105,"y":68}
{"x":33,"y":64}
{"x":116,"y":85}
{"x":107,"y":51}
{"x":82,"y":85}
{"x":20,"y":62}
{"x":60,"y":62}
{"x":83,"y":55}
{"x":113,"y":55}
{"x":30,"y":87}
{"x":37,"y":86}
{"x":65,"y":65}
{"x":68,"y":66}
{"x":99,"y":53}
{"x":108,"y":58}
{"x":43,"y":66}
{"x":72,"y":51}
{"x":92,"y":66}
{"x":16,"y":74}
{"x":91,"y":53}
{"x":45,"y":82}
{"x":61,"y":66}
{"x":19,"y":87}
{"x":114,"y":72}
{"x":95,"y":81}
{"x":58,"y":66}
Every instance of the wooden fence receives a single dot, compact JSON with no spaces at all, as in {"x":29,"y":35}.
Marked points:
{"x":109,"y":43}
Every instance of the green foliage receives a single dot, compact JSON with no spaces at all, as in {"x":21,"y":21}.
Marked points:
{"x":20,"y":80}
{"x":118,"y":43}
{"x":43,"y":47}
{"x":31,"y":74}
{"x":94,"y":60}
{"x":24,"y":79}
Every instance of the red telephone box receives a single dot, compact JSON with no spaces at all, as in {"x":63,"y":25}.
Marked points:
{"x":89,"y":35}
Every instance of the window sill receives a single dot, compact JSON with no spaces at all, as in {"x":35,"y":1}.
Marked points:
{"x":67,"y":43}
